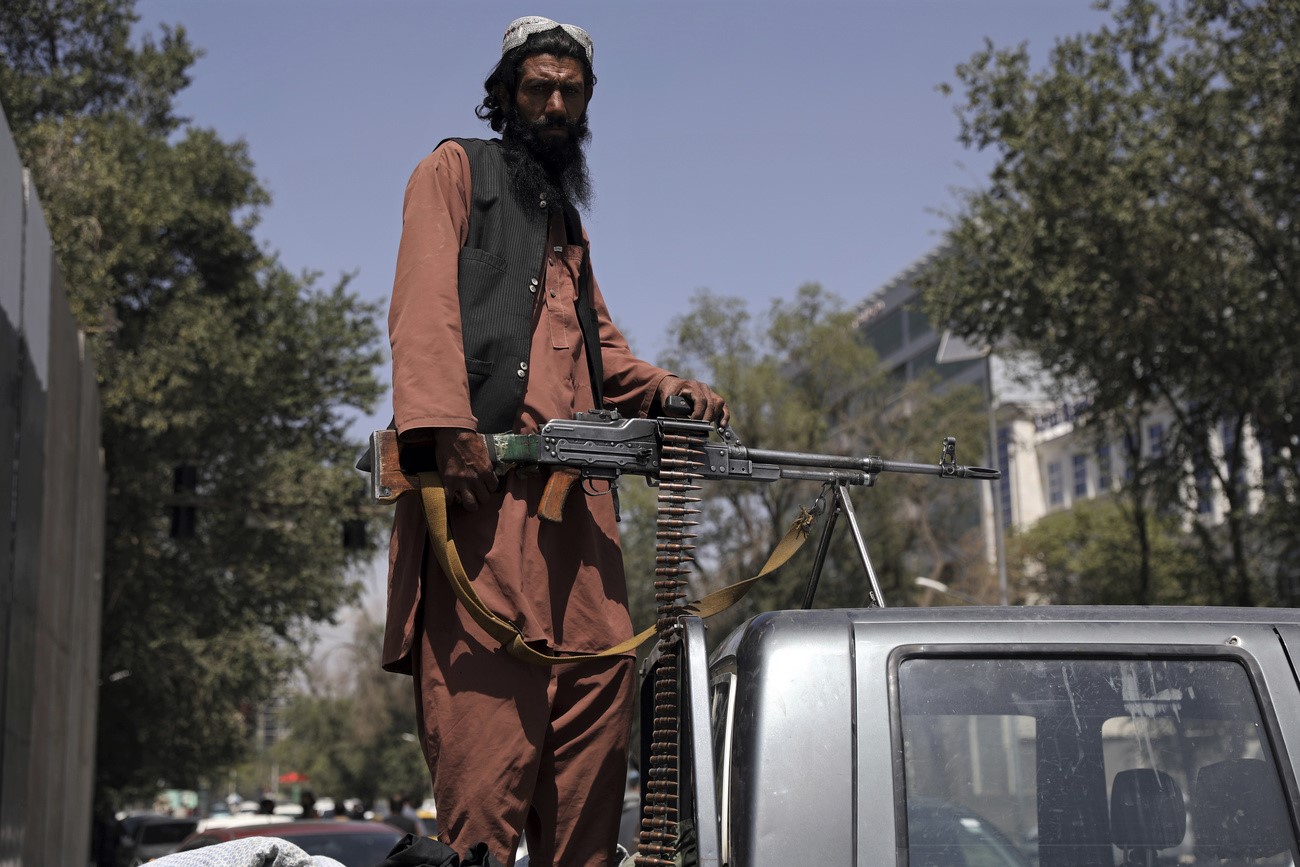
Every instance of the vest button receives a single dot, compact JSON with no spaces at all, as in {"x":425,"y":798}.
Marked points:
{"x":523,"y":365}
{"x":521,"y":374}
{"x":534,"y":281}
{"x":542,"y":203}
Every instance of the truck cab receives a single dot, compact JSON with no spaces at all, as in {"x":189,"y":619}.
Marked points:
{"x":974,"y":737}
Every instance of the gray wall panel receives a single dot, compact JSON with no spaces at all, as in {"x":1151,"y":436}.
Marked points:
{"x":83,"y":706}
{"x":52,"y":488}
{"x":11,"y":248}
{"x":10,"y":365}
{"x":11,"y":226}
{"x":47,"y":804}
{"x":17,"y":740}
{"x":30,"y":485}
{"x":37,"y":257}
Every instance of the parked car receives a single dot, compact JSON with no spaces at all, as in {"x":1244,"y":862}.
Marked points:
{"x":146,"y":836}
{"x":354,"y":844}
{"x":228,"y":820}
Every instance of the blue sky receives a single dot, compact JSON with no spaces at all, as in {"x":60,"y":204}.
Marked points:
{"x":747,"y":147}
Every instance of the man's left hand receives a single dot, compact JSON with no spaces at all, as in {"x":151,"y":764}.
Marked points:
{"x":706,"y":404}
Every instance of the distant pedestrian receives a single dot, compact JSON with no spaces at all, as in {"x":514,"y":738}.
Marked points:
{"x":307,"y":801}
{"x":402,"y":818}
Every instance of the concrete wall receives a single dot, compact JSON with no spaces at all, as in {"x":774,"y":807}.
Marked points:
{"x":51,"y":543}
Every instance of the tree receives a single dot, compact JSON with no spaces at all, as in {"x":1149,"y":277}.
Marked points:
{"x":1137,"y":236}
{"x":358,"y":739}
{"x":1088,"y":555}
{"x":223,"y":378}
{"x":802,"y":379}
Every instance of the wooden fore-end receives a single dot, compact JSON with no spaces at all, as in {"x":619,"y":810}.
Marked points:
{"x":556,"y":492}
{"x":387,"y":481}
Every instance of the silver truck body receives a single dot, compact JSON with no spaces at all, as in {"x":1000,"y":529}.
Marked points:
{"x":1057,"y":736}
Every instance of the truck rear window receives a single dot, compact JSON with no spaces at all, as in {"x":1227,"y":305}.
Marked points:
{"x":1072,"y":762}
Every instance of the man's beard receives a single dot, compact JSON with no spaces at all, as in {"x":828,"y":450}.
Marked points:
{"x":549,"y":168}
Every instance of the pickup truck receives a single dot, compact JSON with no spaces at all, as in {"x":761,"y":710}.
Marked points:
{"x":981,"y":736}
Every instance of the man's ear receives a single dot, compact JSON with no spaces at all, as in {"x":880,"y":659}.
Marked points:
{"x":500,"y":95}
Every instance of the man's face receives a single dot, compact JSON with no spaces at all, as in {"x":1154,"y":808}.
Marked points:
{"x":552,"y":94}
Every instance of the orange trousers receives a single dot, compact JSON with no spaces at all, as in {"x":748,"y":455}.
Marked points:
{"x":516,"y":747}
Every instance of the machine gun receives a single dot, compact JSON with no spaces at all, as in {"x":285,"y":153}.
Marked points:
{"x":673,"y":453}
{"x":602,"y":445}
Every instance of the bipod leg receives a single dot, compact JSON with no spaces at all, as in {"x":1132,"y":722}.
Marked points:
{"x":823,"y":545}
{"x":842,"y":497}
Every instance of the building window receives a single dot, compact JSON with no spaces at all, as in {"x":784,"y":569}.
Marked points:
{"x":1270,"y":467}
{"x":1104,"y":476}
{"x":924,"y":362}
{"x":886,"y":334}
{"x":1055,"y":484}
{"x":1229,"y":433}
{"x":1080,"y":467}
{"x":1204,"y":489}
{"x":1156,"y":440}
{"x":918,"y":325}
{"x":1004,"y":483}
{"x":1132,"y":454}
{"x":953,"y":369}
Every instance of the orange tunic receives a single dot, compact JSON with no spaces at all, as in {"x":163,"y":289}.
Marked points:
{"x":561,"y":583}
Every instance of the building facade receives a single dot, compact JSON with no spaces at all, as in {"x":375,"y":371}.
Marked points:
{"x":1050,"y":459}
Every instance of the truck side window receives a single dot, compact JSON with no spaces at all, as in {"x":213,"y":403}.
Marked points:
{"x":1088,"y":762}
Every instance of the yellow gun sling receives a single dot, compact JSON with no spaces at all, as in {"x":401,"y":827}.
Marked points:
{"x":444,"y":549}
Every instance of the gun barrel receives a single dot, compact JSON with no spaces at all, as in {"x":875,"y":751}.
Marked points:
{"x":808,"y":459}
{"x":943,"y":470}
{"x":870,"y":464}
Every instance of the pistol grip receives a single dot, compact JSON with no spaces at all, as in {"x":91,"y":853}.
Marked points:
{"x":556,"y":492}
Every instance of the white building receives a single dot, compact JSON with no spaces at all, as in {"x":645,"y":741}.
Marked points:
{"x":1049,"y":459}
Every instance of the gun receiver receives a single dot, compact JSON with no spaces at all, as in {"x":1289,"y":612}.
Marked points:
{"x":601,"y":444}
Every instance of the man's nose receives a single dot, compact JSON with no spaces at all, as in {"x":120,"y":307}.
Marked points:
{"x":555,"y":103}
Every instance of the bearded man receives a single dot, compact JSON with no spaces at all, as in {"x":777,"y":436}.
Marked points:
{"x":497,"y":324}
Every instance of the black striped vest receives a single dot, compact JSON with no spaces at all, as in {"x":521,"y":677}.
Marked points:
{"x":499,"y":269}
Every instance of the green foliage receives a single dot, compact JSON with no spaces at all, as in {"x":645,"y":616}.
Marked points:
{"x":801,"y":379}
{"x":210,"y":355}
{"x":1137,"y":234}
{"x":65,"y":58}
{"x":357,"y":741}
{"x":1089,"y":555}
{"x":637,"y":539}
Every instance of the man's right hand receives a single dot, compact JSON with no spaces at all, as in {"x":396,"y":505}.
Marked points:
{"x":465,"y":467}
